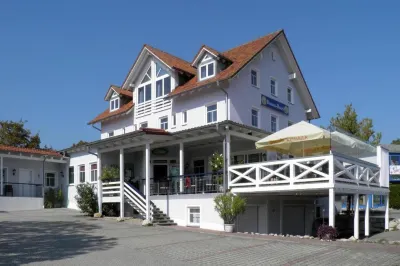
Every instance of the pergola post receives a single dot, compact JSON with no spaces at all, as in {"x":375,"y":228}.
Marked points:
{"x":356,"y":215}
{"x":386,"y":212}
{"x":227,"y":160}
{"x":99,"y":184}
{"x":121,"y":180}
{"x":147,"y":171}
{"x":332,"y":207}
{"x":366,"y":218}
{"x":181,"y":166}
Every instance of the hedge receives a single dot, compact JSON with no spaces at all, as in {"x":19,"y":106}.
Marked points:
{"x":394,"y":196}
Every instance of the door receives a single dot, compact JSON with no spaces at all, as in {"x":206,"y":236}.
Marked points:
{"x":248,"y":221}
{"x":293,"y":220}
{"x":199,"y":167}
{"x":25,"y":187}
{"x":160,"y":174}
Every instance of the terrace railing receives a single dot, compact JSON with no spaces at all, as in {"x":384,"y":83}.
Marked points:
{"x":12,"y":189}
{"x":301,"y":171}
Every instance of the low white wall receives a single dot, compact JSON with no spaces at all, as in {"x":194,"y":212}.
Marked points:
{"x":20,"y":203}
{"x":178,"y":209}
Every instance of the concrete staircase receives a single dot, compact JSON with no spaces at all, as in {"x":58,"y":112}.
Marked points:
{"x":138,"y":202}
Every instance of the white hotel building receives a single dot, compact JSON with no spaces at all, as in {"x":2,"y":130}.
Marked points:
{"x":169,"y":116}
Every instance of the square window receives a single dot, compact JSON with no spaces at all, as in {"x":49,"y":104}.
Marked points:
{"x":207,"y":70}
{"x":167,"y":85}
{"x":82,"y":174}
{"x":211,"y":69}
{"x":274,"y":123}
{"x":254,"y":117}
{"x":93,"y":172}
{"x":114,"y":104}
{"x":147,"y":96}
{"x":164,"y":123}
{"x":50,"y":179}
{"x":254,"y":78}
{"x":194,"y":216}
{"x":273,"y":87}
{"x":203,"y":70}
{"x":159,"y":88}
{"x":290,"y":95}
{"x":71,"y":175}
{"x":143,"y":125}
{"x":141,"y":94}
{"x":212,"y":113}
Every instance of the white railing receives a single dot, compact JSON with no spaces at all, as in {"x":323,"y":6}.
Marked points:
{"x":111,"y":192}
{"x":152,"y":106}
{"x":135,"y":197}
{"x":303,"y":172}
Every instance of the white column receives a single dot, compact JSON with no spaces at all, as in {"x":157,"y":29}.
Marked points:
{"x":1,"y":174}
{"x":332,"y":207}
{"x":356,"y":215}
{"x":387,"y":212}
{"x":181,"y":166}
{"x":147,"y":169}
{"x":228,"y":158}
{"x":121,"y":180}
{"x":99,"y":184}
{"x":225,"y":175}
{"x":280,"y":215}
{"x":367,"y":206}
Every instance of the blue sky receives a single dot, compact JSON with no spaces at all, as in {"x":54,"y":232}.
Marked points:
{"x":57,"y":58}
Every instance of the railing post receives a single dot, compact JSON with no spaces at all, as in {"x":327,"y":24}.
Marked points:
{"x":257,"y":169}
{"x":291,"y":173}
{"x":181,"y":166}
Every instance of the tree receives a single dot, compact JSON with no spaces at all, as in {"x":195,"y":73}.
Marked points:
{"x":396,"y":141}
{"x":80,"y":143}
{"x":15,"y":134}
{"x":363,"y":129}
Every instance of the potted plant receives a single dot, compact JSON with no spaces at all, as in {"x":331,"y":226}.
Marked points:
{"x":217,"y":164}
{"x":229,"y":207}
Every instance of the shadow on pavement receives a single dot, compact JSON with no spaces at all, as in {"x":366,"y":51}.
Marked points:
{"x":34,"y":241}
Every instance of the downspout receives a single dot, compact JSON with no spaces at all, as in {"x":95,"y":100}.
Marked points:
{"x":93,"y":126}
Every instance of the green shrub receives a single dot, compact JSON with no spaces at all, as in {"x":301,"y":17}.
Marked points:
{"x":109,"y":173}
{"x":217,"y":162}
{"x":394,"y":196}
{"x":50,"y":198}
{"x":86,"y":199}
{"x":229,"y":207}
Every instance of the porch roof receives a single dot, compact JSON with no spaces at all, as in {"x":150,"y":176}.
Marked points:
{"x":160,"y":138}
{"x":30,"y":154}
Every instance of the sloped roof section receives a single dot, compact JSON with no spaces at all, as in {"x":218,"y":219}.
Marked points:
{"x":239,"y":56}
{"x":30,"y":151}
{"x":118,"y":90}
{"x":108,"y":114}
{"x":171,"y":60}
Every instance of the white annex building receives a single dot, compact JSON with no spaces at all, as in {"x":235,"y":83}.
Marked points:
{"x":169,"y":116}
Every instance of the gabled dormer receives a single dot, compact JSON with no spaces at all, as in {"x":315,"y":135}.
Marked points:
{"x":209,"y":63}
{"x":115,"y":102}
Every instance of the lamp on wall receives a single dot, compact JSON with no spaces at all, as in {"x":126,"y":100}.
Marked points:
{"x":14,"y":171}
{"x":62,"y":174}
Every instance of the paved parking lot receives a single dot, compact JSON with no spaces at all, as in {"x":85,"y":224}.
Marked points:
{"x":64,"y":237}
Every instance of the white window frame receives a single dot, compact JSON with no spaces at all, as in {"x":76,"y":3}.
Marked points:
{"x":277,"y":123}
{"x":91,"y":172}
{"x":113,"y":102}
{"x":291,"y":94}
{"x":162,"y":78}
{"x":173,"y":120}
{"x":206,"y":111}
{"x":206,"y":66}
{"x":84,"y":172}
{"x":159,"y":121}
{"x":276,"y":86}
{"x":183,"y":117}
{"x":45,"y":178}
{"x":257,"y":78}
{"x":258,"y":117}
{"x":141,"y":125}
{"x":188,"y":208}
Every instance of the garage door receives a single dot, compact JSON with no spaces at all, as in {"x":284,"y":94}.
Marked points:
{"x":254,"y":219}
{"x":293,"y":220}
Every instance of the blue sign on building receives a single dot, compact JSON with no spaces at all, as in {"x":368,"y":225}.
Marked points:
{"x":274,"y":104}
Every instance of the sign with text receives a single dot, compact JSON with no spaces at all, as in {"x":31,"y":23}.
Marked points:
{"x":274,"y":104}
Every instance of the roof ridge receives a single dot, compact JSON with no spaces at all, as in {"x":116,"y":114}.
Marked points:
{"x":249,"y":42}
{"x":152,"y":47}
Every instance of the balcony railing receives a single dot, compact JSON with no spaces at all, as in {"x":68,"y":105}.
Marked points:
{"x":188,"y":184}
{"x":11,"y":189}
{"x":299,"y":171}
{"x":152,"y":106}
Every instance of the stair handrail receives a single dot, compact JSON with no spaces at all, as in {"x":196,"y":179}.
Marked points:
{"x":134,"y":193}
{"x":135,"y":200}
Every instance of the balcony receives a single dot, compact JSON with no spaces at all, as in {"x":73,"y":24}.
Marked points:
{"x":151,"y":107}
{"x":308,"y":173}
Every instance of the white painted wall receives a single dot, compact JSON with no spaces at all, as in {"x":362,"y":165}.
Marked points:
{"x":243,"y":96}
{"x":178,"y":209}
{"x":20,"y":203}
{"x":118,"y":126}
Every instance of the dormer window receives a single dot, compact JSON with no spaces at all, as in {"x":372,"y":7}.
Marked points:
{"x":207,"y":70}
{"x":114,"y":104}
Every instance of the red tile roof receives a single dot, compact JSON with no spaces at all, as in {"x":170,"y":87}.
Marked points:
{"x":108,"y":114}
{"x":154,"y":131}
{"x":172,"y":61}
{"x":120,"y":91}
{"x":29,"y":150}
{"x":239,"y":56}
